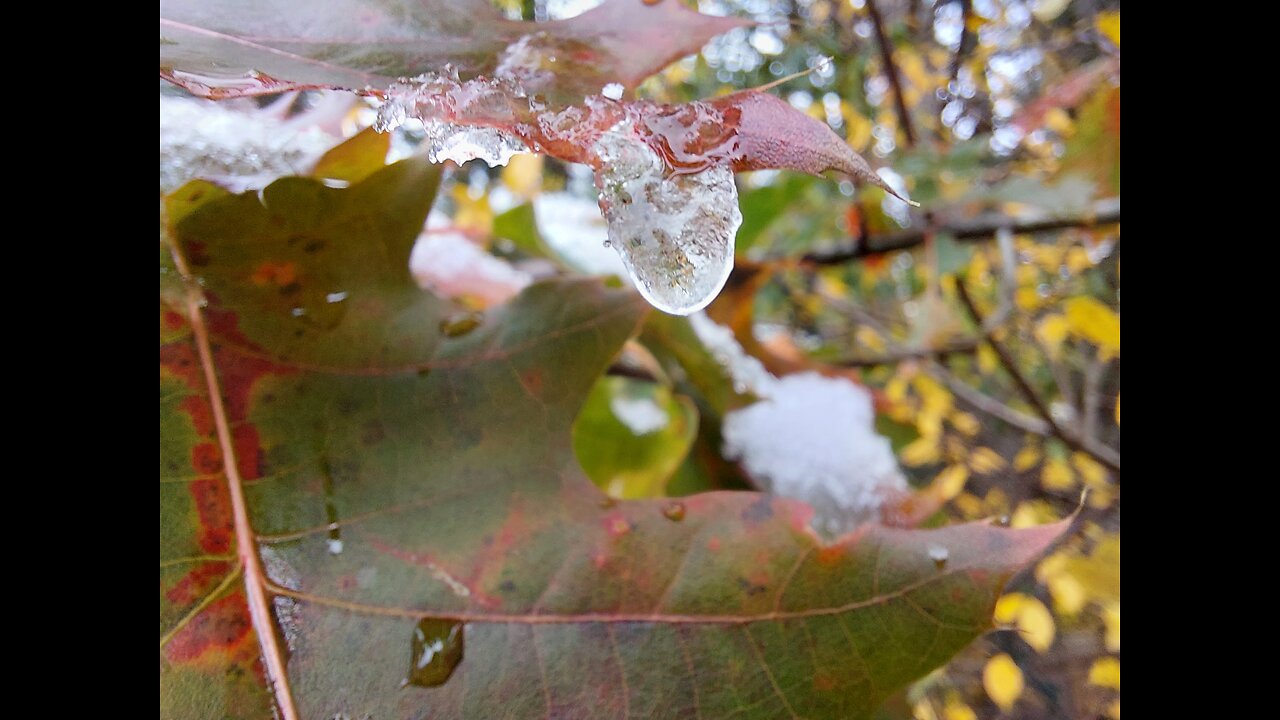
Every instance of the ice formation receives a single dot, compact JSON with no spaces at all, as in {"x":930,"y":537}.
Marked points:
{"x":241,"y":150}
{"x":664,"y":173}
{"x":437,"y":98}
{"x":810,"y":437}
{"x":675,"y":233}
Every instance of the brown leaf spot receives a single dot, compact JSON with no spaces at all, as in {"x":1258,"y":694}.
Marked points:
{"x":220,"y":627}
{"x":280,"y":274}
{"x":206,"y":459}
{"x":213,"y":505}
{"x":196,"y":583}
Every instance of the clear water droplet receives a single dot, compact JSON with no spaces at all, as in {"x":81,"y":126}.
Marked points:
{"x":613,"y":91}
{"x":1003,"y":521}
{"x":939,"y":555}
{"x":675,"y":234}
{"x":335,"y":297}
{"x":674,"y":511}
{"x":460,"y":324}
{"x":436,"y":651}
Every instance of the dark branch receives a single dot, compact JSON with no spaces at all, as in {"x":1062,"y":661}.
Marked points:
{"x":1103,"y":212}
{"x":1099,"y":452}
{"x":891,"y":69}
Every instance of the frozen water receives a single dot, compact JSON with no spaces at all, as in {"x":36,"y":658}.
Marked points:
{"x":613,"y":91}
{"x":675,"y":233}
{"x":438,"y":99}
{"x":810,"y":437}
{"x":459,"y":143}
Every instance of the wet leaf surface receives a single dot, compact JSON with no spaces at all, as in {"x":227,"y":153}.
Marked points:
{"x":396,"y":473}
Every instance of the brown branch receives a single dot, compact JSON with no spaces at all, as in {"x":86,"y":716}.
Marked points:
{"x":963,"y":47}
{"x":1099,"y":452}
{"x":897,"y":355}
{"x":891,"y":69}
{"x":982,"y":227}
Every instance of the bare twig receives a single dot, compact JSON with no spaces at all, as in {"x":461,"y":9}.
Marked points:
{"x":986,"y":403}
{"x":1090,"y":398}
{"x":896,"y":355}
{"x":963,"y":47}
{"x":982,"y":227}
{"x":1098,"y":451}
{"x":891,"y":69}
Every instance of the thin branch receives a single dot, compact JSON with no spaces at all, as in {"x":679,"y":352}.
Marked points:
{"x":1091,"y":398}
{"x":891,"y":69}
{"x":896,"y":355}
{"x":982,"y":227}
{"x":986,"y":403}
{"x":1099,"y":452}
{"x":970,"y":394}
{"x":964,"y":47}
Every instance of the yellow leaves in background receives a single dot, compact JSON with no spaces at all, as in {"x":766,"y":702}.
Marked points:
{"x":1105,"y":673}
{"x":1027,"y":458}
{"x":1111,"y":617}
{"x":1057,"y":475}
{"x":1032,"y":619}
{"x":1095,"y":322}
{"x":950,"y":481}
{"x":472,"y":214}
{"x":1003,"y":681}
{"x":1108,"y":23}
{"x":957,"y":710}
{"x":523,"y":175}
{"x":1074,"y":579}
{"x":965,"y":423}
{"x":1051,"y":330}
{"x":985,"y":461}
{"x":921,"y":451}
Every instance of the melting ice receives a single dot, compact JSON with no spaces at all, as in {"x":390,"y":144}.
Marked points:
{"x":674,"y":233}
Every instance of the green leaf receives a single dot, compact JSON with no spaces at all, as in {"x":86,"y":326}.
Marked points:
{"x":356,"y":159}
{"x":762,"y":206}
{"x":632,"y":434}
{"x":415,"y":501}
{"x":520,"y":226}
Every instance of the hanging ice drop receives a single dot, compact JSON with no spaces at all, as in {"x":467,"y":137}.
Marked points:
{"x":675,"y":234}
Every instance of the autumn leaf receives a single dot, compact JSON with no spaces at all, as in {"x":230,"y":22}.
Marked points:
{"x":420,"y":535}
{"x":235,"y":48}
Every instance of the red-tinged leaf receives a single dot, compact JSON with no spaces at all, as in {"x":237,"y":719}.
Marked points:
{"x":421,"y":517}
{"x":209,"y":657}
{"x":1067,"y":93}
{"x":771,"y":134}
{"x":234,"y":48}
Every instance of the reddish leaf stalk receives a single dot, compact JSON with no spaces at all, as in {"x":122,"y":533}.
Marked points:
{"x":254,"y":579}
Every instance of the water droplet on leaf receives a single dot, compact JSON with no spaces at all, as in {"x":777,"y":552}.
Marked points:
{"x":939,"y":555}
{"x":461,"y":324}
{"x":437,"y":650}
{"x":674,"y":511}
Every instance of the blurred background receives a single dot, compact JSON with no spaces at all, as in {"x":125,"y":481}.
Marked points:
{"x":969,"y":349}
